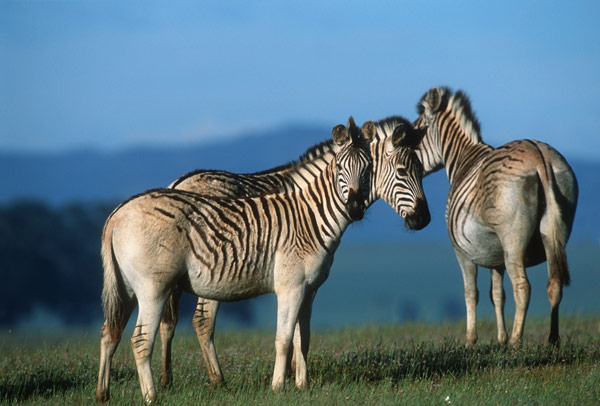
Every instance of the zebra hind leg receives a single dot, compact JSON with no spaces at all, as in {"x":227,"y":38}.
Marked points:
{"x":469,"y":271}
{"x":498,"y":298}
{"x":204,"y":324}
{"x":142,"y":342}
{"x":109,"y":340}
{"x":168,"y":323}
{"x":521,"y":292}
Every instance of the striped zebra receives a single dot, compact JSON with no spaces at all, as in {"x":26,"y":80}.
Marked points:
{"x":236,"y":248}
{"x":286,"y":178}
{"x":217,"y":183}
{"x":508,"y":208}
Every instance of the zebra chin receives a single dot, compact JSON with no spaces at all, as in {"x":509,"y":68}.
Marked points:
{"x":420,"y":217}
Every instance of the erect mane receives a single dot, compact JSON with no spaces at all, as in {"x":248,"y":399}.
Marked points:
{"x":316,"y":150}
{"x":460,"y":105}
{"x":311,"y":153}
{"x":388,"y":124}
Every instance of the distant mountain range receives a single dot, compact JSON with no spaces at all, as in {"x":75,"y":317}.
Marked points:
{"x":91,"y":176}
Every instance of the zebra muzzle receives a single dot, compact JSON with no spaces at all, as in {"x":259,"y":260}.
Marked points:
{"x":355,"y":205}
{"x":419,"y":218}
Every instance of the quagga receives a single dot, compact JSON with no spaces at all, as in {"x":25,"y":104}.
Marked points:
{"x":228,"y":249}
{"x":286,"y":178}
{"x":508,"y":208}
{"x":217,"y":183}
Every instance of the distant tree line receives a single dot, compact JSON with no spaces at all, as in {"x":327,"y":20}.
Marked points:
{"x":50,"y":259}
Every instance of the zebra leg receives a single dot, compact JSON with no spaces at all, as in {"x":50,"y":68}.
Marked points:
{"x":109,"y":340}
{"x":521,"y":292}
{"x":204,"y":325}
{"x":142,"y":341}
{"x":469,"y":271}
{"x":288,"y":307}
{"x":302,"y":341}
{"x":167,"y":331}
{"x":498,"y":298}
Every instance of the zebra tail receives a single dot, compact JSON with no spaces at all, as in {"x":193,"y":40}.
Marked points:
{"x":558,"y":233}
{"x":113,"y":283}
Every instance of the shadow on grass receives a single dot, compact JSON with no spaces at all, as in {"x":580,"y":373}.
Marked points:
{"x":19,"y":386}
{"x":426,"y":360}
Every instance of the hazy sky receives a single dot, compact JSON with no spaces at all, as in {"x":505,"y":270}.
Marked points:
{"x":112,"y":74}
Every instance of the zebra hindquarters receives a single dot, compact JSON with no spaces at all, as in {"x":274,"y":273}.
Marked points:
{"x":560,"y":194}
{"x":118,"y":305}
{"x":509,"y":202}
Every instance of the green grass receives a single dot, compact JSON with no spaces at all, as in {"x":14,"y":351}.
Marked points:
{"x":390,"y":364}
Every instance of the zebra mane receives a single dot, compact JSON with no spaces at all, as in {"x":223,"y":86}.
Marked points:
{"x":388,"y":124}
{"x":460,"y":105}
{"x":310,"y":154}
{"x":317,"y":150}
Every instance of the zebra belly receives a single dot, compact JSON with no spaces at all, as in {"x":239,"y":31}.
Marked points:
{"x":483,"y":247}
{"x":480,"y":244}
{"x":219,"y":284}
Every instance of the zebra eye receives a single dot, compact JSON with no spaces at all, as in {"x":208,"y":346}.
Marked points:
{"x":401,"y":172}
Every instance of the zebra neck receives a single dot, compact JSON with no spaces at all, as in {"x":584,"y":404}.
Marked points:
{"x":460,"y":153}
{"x":304,"y":174}
{"x":320,"y":210}
{"x":464,"y":161}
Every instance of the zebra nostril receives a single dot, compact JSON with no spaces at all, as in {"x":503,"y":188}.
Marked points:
{"x":403,"y":214}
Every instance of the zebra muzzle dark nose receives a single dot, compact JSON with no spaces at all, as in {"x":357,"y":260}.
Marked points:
{"x":355,"y":205}
{"x":420,"y":217}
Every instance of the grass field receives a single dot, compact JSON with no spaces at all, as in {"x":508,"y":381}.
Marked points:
{"x":372,"y":365}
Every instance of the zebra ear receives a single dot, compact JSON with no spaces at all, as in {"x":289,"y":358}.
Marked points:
{"x":434,"y":99}
{"x":340,"y":134}
{"x":399,"y":136}
{"x":369,"y":130}
{"x":406,"y":136}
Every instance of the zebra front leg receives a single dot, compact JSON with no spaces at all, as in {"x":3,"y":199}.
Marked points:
{"x":498,"y":298}
{"x":142,"y":342}
{"x":521,"y":292}
{"x":167,"y":331}
{"x":288,"y":307}
{"x":204,"y":324}
{"x":469,"y":271}
{"x":302,"y":341}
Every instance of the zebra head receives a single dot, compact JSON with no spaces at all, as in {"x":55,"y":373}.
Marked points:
{"x":352,"y":168}
{"x":398,"y":174}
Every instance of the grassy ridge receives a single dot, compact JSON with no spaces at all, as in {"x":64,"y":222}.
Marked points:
{"x":407,"y":364}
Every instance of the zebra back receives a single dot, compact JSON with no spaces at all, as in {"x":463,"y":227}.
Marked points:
{"x":278,"y":179}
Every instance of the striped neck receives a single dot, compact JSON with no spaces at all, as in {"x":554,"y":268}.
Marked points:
{"x":453,"y":138}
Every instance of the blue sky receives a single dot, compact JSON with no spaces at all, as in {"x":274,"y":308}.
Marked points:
{"x":111,"y":75}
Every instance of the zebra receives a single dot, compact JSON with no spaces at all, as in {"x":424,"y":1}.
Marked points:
{"x":508,"y":208}
{"x":281,"y":178}
{"x":236,"y":248}
{"x":218,"y":183}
